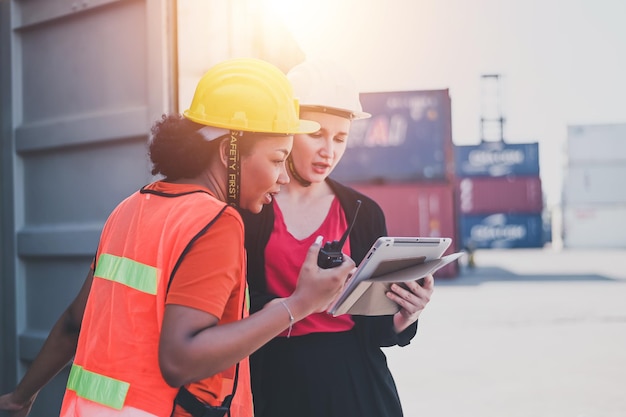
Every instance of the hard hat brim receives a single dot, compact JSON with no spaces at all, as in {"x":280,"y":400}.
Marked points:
{"x":348,"y":114}
{"x":308,"y":126}
{"x":361,"y":115}
{"x":304,"y":126}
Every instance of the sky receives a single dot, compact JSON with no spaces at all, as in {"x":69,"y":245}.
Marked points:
{"x":560,"y":62}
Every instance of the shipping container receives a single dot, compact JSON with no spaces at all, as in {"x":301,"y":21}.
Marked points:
{"x":596,"y":143}
{"x":497,"y":159}
{"x":594,"y":226}
{"x":418,"y":209}
{"x":407,"y":138}
{"x":501,"y":230}
{"x":484,"y":195}
{"x":595,"y":183}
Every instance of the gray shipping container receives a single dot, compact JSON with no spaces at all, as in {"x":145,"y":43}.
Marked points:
{"x":594,"y":226}
{"x":596,"y":143}
{"x":80,"y":86}
{"x":595,"y":183}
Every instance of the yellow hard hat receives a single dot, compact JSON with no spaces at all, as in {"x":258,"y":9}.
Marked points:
{"x":247,"y":94}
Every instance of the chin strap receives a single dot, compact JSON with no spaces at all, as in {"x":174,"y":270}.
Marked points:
{"x":234,"y":169}
{"x":294,"y":173}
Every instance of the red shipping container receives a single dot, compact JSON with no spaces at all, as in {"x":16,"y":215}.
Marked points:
{"x":485,"y":195}
{"x":418,"y":209}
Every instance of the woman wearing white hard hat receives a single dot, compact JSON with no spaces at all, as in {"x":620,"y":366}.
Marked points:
{"x":326,"y":366}
{"x":161,"y":328}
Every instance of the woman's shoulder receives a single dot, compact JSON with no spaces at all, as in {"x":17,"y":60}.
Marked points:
{"x":345,"y":193}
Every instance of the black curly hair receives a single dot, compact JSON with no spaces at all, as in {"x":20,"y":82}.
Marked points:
{"x":177,"y":150}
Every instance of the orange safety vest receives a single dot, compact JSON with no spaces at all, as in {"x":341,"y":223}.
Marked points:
{"x":116,"y":363}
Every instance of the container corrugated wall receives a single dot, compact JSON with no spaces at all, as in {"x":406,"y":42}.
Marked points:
{"x":594,"y":197}
{"x":408,"y":138}
{"x":502,"y":230}
{"x":87,"y":80}
{"x":497,"y":159}
{"x":595,"y":226}
{"x":480,"y":195}
{"x":417,"y":209}
{"x":499,"y":195}
{"x":596,"y":143}
{"x":595,"y":183}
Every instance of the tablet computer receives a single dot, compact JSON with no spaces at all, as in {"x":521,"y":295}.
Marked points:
{"x":391,"y":259}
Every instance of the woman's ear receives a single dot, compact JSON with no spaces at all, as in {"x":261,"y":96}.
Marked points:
{"x":224,"y":148}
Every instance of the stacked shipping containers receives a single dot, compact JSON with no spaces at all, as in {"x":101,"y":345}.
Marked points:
{"x":402,"y":157}
{"x":499,"y":195}
{"x":594,"y":200}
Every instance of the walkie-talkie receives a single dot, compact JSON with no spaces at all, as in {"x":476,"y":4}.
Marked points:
{"x":330,"y":255}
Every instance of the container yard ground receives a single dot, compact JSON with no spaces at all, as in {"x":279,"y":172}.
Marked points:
{"x":527,"y":333}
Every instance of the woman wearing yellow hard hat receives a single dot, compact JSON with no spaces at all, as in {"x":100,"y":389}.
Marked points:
{"x":337,"y":362}
{"x":163,"y":317}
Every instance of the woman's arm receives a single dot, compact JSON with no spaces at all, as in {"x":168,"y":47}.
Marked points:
{"x":57,"y":351}
{"x":193,"y":347}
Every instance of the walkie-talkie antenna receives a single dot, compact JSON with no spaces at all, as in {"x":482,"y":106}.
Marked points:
{"x":347,"y":232}
{"x":330,"y":256}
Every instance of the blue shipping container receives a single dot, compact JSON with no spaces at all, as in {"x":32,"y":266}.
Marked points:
{"x":497,"y":159}
{"x":408,"y":137}
{"x":500,"y":230}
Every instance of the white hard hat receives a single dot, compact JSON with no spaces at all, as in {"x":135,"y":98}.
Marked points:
{"x":323,"y":86}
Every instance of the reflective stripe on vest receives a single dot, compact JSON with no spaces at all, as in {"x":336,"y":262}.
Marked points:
{"x":97,"y":388}
{"x":128,"y":272}
{"x":100,"y":388}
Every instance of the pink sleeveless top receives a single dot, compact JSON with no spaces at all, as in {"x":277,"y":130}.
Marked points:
{"x":284,"y":255}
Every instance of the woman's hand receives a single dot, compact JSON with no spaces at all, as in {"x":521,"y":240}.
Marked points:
{"x":412,"y":299}
{"x":15,"y":408}
{"x":317,"y":288}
